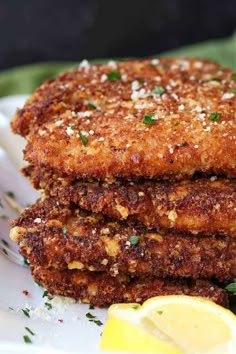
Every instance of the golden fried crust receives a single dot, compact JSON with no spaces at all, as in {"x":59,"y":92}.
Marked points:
{"x":102,"y":290}
{"x":200,"y":206}
{"x":53,"y":235}
{"x":190,"y":103}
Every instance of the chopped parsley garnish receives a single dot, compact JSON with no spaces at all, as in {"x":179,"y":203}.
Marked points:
{"x":5,"y":251}
{"x":91,"y":106}
{"x":114,"y":75}
{"x":25,"y":261}
{"x":27,"y":339}
{"x":64,"y":230}
{"x":45,"y":293}
{"x":135,"y":307}
{"x":10,"y":194}
{"x":148,"y":119}
{"x":159,"y":312}
{"x":26,"y":312}
{"x":232,"y":90}
{"x":215,"y":79}
{"x":176,"y":124}
{"x":83,"y":139}
{"x":29,"y":330}
{"x":48,"y":305}
{"x":5,"y":242}
{"x":184,"y":77}
{"x":159,"y":90}
{"x":233,"y":77}
{"x":90,"y":316}
{"x":231,"y":287}
{"x":134,"y":240}
{"x":91,"y":307}
{"x":98,"y":322}
{"x":150,"y":96}
{"x":214,"y":116}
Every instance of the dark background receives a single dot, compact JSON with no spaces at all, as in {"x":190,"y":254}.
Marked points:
{"x":33,"y":31}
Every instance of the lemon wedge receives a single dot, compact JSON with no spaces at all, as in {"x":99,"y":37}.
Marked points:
{"x":175,"y":324}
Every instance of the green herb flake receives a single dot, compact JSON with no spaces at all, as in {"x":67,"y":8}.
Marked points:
{"x":158,"y":90}
{"x":98,"y":322}
{"x":176,"y":124}
{"x":233,"y":77}
{"x":83,"y":138}
{"x":29,"y":330}
{"x":135,"y":307}
{"x":48,"y":305}
{"x":150,"y":96}
{"x":25,"y":261}
{"x":148,"y":119}
{"x":5,"y":251}
{"x":232,"y":90}
{"x":5,"y":242}
{"x":91,"y":307}
{"x":114,"y":75}
{"x":159,"y":312}
{"x":26,"y":312}
{"x":11,"y":194}
{"x":91,"y":106}
{"x":184,"y":77}
{"x":45,"y":293}
{"x":27,"y":339}
{"x":215,"y":79}
{"x":134,"y":240}
{"x":214,"y":116}
{"x":64,"y":230}
{"x":11,"y":308}
{"x":90,"y":316}
{"x":231,"y":287}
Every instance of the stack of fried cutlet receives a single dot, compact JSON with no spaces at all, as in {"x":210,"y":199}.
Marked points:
{"x":136,"y":161}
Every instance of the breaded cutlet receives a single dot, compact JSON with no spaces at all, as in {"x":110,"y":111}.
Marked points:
{"x":65,"y":237}
{"x":165,"y":118}
{"x":201,"y":206}
{"x":100,"y":289}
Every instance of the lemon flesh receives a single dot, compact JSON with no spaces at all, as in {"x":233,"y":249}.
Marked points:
{"x":171,"y":325}
{"x":121,"y":335}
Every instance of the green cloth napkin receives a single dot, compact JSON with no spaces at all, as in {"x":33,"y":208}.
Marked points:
{"x":24,"y":79}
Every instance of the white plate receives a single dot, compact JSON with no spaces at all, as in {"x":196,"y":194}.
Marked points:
{"x":75,"y":334}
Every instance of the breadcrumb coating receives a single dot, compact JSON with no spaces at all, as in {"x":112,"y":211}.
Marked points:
{"x":100,"y":289}
{"x":201,"y":206}
{"x":65,"y":237}
{"x":134,"y":119}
